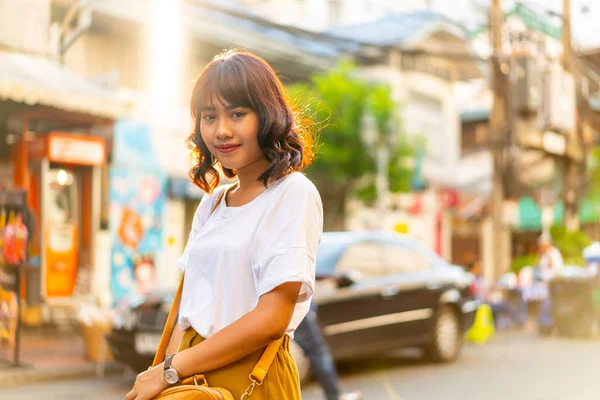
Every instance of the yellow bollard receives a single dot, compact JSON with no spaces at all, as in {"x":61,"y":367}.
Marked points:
{"x":483,"y":326}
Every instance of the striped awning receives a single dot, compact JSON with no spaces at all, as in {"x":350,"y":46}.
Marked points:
{"x":35,"y":80}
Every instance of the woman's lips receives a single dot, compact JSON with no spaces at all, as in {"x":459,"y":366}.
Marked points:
{"x":228,"y":149}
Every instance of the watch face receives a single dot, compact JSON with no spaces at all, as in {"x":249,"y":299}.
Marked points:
{"x":171,"y":376}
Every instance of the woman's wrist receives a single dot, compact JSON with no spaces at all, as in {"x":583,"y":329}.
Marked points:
{"x":160,"y":376}
{"x":177,"y":365}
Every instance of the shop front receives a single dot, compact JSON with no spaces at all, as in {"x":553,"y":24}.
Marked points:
{"x":65,"y":172}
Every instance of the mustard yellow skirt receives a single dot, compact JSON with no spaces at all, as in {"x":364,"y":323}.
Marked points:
{"x":281,"y":383}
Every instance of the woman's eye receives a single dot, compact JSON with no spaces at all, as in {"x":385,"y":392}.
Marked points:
{"x":238,"y":114}
{"x":208,"y":117}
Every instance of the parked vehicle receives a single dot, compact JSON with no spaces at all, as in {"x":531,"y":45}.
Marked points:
{"x":376,"y":292}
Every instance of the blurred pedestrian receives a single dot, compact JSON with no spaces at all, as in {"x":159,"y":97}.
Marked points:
{"x":550,"y":264}
{"x":497,"y":297}
{"x":249,"y":260}
{"x":551,"y":261}
{"x":309,"y":338}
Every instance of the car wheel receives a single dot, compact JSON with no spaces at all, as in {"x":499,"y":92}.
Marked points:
{"x":447,"y":338}
{"x":302,"y":361}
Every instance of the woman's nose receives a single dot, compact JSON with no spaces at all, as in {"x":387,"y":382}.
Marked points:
{"x":223,"y":130}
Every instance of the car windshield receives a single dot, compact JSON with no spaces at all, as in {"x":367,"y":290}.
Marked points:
{"x":333,"y":246}
{"x":426,"y":252}
{"x":328,"y":255}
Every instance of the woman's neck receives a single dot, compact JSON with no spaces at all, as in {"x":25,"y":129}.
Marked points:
{"x":248,"y":176}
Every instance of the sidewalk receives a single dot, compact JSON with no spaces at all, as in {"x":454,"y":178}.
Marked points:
{"x":46,"y":354}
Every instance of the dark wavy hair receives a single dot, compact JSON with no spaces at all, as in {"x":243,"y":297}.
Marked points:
{"x":242,"y":79}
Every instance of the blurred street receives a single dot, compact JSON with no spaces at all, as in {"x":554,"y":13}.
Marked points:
{"x":457,"y":176}
{"x":511,"y":366}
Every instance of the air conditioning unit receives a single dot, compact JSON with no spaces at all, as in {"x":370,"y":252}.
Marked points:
{"x":559,"y":105}
{"x":526,"y":85}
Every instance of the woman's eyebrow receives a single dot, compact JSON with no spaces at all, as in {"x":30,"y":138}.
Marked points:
{"x":229,"y":107}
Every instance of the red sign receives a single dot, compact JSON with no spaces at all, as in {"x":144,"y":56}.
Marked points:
{"x":78,"y":150}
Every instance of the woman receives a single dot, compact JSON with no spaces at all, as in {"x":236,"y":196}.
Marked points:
{"x":249,"y":264}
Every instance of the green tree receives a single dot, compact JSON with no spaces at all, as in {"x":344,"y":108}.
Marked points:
{"x":336,"y":101}
{"x":570,"y":244}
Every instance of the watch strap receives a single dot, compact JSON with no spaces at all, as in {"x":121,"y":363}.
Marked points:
{"x":168,"y":361}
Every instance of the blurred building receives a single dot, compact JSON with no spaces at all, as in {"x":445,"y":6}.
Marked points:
{"x":104,"y":162}
{"x":132,"y":209}
{"x":150,"y":150}
{"x":407,"y":54}
{"x":435,"y":65}
{"x":427,"y":57}
{"x":139,"y":203}
{"x":545,"y":111}
{"x":47,"y":113}
{"x":104,"y":72}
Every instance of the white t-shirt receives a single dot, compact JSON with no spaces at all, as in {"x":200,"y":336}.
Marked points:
{"x":241,"y":253}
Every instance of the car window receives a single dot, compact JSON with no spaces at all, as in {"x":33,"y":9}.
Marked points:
{"x":399,"y":259}
{"x":364,"y":257}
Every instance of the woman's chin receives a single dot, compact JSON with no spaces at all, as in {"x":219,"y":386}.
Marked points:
{"x":231,"y":166}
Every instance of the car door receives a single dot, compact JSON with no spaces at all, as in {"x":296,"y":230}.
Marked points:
{"x":416,"y":288}
{"x":367,"y":316}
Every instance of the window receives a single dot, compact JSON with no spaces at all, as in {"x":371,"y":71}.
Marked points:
{"x":473,"y":136}
{"x":424,"y":115}
{"x":365,"y":258}
{"x":399,"y":259}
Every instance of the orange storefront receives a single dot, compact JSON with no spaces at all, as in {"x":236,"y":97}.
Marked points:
{"x":56,"y":136}
{"x":64,"y":188}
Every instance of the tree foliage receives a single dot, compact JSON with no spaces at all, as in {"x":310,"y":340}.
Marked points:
{"x":336,"y":101}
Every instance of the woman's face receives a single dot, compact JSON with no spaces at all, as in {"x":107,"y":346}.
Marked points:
{"x":231,"y":134}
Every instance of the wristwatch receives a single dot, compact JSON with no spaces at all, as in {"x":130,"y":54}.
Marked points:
{"x":170,"y":374}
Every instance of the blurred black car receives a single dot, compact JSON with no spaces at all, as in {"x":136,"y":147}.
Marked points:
{"x":377,"y":292}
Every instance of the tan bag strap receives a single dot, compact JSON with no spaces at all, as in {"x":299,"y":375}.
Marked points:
{"x":262,"y":367}
{"x":169,"y":326}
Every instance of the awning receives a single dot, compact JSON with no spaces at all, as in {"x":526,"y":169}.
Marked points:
{"x":530,"y":214}
{"x":36,"y":80}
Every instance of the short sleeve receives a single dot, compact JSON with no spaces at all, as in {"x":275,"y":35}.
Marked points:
{"x":288,"y":238}
{"x":200,"y":217}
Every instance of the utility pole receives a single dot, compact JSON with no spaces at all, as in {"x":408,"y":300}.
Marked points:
{"x":498,"y":132}
{"x":573,"y":169}
{"x":570,"y":189}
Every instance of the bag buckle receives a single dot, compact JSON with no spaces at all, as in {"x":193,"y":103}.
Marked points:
{"x":250,"y":388}
{"x":196,"y":381}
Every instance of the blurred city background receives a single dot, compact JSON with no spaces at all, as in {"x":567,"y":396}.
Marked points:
{"x":460,"y":153}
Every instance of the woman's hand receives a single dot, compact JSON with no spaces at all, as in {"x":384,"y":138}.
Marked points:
{"x":148,"y":384}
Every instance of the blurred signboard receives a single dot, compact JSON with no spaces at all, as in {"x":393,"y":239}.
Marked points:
{"x":80,"y":150}
{"x":69,"y":148}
